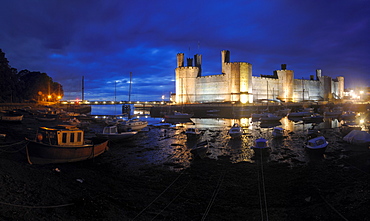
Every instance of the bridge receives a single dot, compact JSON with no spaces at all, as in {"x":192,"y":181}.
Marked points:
{"x":136,"y":103}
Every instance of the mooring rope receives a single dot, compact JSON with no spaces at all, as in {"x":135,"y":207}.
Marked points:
{"x":36,"y":207}
{"x":158,"y":196}
{"x":215,"y":193}
{"x":262,"y":184}
{"x":173,"y":199}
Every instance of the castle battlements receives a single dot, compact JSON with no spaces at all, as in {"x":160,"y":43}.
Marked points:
{"x":236,"y":83}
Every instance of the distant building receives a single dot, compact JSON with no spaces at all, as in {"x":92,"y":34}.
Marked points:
{"x":236,"y":84}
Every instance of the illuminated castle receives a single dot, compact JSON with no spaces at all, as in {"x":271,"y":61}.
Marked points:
{"x":236,"y":84}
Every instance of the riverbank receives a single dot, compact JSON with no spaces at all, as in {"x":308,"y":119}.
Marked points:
{"x":333,"y":186}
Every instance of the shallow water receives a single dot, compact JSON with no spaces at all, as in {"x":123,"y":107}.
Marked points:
{"x":168,"y":147}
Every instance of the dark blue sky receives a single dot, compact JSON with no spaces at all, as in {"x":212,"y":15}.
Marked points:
{"x":106,"y":40}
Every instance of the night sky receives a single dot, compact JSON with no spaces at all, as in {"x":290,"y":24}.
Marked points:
{"x":106,"y":40}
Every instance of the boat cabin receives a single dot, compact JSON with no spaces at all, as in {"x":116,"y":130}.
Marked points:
{"x":110,"y":130}
{"x":61,"y":135}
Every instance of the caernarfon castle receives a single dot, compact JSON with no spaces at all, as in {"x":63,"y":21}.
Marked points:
{"x":236,"y":84}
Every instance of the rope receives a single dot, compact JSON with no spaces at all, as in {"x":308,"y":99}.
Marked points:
{"x":261,"y":186}
{"x":158,"y":196}
{"x":172,"y":199}
{"x":215,"y":192}
{"x":37,"y":207}
{"x":11,"y":145}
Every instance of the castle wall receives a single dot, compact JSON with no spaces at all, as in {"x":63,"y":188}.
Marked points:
{"x":265,"y":88}
{"x":236,"y":83}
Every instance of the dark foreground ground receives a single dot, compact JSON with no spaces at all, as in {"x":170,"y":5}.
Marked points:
{"x":329,"y":188}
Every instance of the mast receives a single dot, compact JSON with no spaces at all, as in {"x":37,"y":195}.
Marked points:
{"x":129,"y":90}
{"x":83,"y":89}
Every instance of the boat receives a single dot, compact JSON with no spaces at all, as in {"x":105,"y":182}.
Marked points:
{"x":200,"y":149}
{"x":260,"y":147}
{"x":317,"y":143}
{"x":260,"y":143}
{"x":357,"y":137}
{"x":348,"y":127}
{"x":277,"y":132}
{"x":270,"y":117}
{"x":302,"y":113}
{"x":132,"y":124}
{"x":236,"y":131}
{"x":178,"y":115}
{"x":47,"y":117}
{"x":11,"y":116}
{"x":315,"y":117}
{"x":348,"y":115}
{"x":111,"y":133}
{"x":62,"y":144}
{"x":193,"y":133}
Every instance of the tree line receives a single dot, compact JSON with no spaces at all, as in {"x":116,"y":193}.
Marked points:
{"x":25,"y":85}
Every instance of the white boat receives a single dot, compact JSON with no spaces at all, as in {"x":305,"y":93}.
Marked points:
{"x":193,"y":133}
{"x":111,"y":133}
{"x":357,"y":137}
{"x":277,"y":132}
{"x":317,"y":143}
{"x":178,"y":115}
{"x":200,"y":149}
{"x":236,"y":131}
{"x":260,"y":143}
{"x":133,"y":124}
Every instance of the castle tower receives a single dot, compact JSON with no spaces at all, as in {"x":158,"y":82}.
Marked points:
{"x":186,"y":80}
{"x":286,"y":79}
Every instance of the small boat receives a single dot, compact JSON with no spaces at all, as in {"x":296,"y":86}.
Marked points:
{"x":357,"y":137}
{"x":270,"y":117}
{"x":313,"y":118}
{"x":200,"y":149}
{"x":111,"y":133}
{"x":305,"y":112}
{"x":11,"y":116}
{"x":317,"y":143}
{"x":178,"y":115}
{"x":193,"y":133}
{"x":62,"y":144}
{"x":46,"y":117}
{"x":277,"y":132}
{"x":132,"y":124}
{"x":260,"y":147}
{"x":236,"y":131}
{"x":260,"y":143}
{"x":348,"y":115}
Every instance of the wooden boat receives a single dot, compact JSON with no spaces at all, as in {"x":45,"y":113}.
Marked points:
{"x":317,"y":143}
{"x":277,"y":132}
{"x":200,"y":149}
{"x":111,"y":133}
{"x":236,"y":131}
{"x":62,"y":144}
{"x":11,"y":117}
{"x":193,"y":133}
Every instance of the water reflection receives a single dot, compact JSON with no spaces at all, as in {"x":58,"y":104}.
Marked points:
{"x":170,"y":148}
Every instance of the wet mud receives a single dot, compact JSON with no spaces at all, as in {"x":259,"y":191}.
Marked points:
{"x":153,"y":176}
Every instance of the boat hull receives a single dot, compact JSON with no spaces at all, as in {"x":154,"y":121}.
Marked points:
{"x":118,"y":136}
{"x":38,"y":153}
